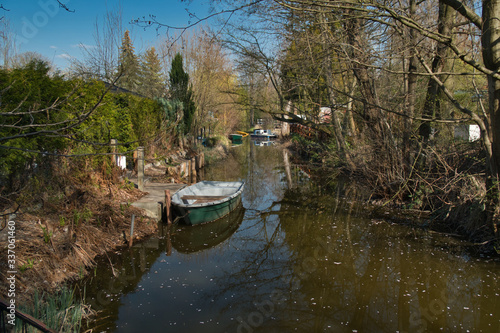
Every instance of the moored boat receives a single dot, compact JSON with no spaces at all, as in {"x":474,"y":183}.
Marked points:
{"x":207,"y":201}
{"x":263,"y":134}
{"x":236,"y":138}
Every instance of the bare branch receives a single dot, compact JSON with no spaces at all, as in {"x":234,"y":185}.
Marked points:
{"x":63,"y":6}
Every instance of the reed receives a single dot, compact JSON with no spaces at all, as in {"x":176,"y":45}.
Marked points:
{"x":60,"y":311}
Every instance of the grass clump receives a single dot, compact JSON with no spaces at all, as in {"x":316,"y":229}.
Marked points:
{"x":60,"y":311}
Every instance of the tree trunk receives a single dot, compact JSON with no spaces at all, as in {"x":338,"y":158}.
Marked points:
{"x":328,"y":74}
{"x":432,"y":105}
{"x":360,"y":59}
{"x":411,"y":93}
{"x":491,"y":58}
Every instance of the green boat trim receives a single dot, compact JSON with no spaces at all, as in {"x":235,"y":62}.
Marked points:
{"x":207,"y":201}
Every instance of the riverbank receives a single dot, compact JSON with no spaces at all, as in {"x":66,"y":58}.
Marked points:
{"x":65,"y":219}
{"x":57,"y":240}
{"x":449,"y":199}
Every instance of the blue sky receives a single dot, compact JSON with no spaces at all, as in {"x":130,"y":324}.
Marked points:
{"x":43,"y":27}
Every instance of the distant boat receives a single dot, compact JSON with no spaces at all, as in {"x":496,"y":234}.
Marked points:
{"x":263,"y":134}
{"x":262,"y":143}
{"x":236,"y":138}
{"x":243,"y":134}
{"x":207,"y":201}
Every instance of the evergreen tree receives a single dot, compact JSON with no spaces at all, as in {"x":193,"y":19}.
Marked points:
{"x":152,"y":83}
{"x":31,"y":116}
{"x":129,"y":65}
{"x":181,"y":90}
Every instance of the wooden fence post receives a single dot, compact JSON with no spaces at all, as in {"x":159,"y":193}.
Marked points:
{"x":140,"y":168}
{"x":113,"y":150}
{"x":193,"y":170}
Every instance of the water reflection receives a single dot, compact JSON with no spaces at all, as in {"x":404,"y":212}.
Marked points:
{"x":190,"y":239}
{"x":301,"y":256}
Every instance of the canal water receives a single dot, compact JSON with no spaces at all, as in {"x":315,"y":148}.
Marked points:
{"x":299,"y":256}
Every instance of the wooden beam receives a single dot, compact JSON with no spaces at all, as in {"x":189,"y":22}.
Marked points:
{"x":198,"y":197}
{"x":202,"y":198}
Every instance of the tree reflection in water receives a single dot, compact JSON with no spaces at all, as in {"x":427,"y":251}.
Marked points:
{"x":304,"y":257}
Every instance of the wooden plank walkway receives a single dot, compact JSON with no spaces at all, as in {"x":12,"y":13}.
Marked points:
{"x":152,"y":203}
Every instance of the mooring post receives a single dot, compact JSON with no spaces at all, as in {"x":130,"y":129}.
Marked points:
{"x":113,"y":150}
{"x":131,"y":231}
{"x":140,"y":168}
{"x":198,"y":162}
{"x":135,"y":160}
{"x":193,"y":170}
{"x":189,"y":167}
{"x":168,"y":201}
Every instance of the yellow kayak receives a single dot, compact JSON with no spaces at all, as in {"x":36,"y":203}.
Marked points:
{"x":243,"y":134}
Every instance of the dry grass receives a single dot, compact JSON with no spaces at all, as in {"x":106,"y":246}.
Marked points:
{"x":64,"y":222}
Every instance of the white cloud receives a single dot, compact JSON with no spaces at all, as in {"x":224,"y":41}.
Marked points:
{"x":53,"y":47}
{"x":64,"y":56}
{"x":84,"y":46}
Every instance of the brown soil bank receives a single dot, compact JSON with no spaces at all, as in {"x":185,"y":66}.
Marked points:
{"x":63,"y":220}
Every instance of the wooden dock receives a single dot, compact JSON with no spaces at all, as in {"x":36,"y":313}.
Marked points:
{"x":156,"y":199}
{"x":153,"y":202}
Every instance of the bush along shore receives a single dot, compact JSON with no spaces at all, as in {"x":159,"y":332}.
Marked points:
{"x":448,"y":197}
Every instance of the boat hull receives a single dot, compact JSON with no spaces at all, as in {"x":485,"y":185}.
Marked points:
{"x":260,"y":134}
{"x":200,"y":215}
{"x":236,"y":138}
{"x":193,"y":214}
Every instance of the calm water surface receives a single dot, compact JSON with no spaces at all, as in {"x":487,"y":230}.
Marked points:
{"x":296,"y":257}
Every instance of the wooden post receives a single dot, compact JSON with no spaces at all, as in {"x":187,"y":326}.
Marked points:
{"x":130,"y":241}
{"x":140,"y":168}
{"x":168,"y":201}
{"x":113,"y":150}
{"x":188,"y":172}
{"x":193,"y":170}
{"x":135,"y":160}
{"x":198,"y":162}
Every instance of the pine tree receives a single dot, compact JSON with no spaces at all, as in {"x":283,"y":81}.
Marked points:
{"x":152,"y":83}
{"x":181,"y":90}
{"x":128,"y":65}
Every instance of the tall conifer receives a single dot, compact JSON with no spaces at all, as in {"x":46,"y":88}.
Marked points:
{"x":181,"y":90}
{"x":128,"y":65}
{"x":152,"y":82}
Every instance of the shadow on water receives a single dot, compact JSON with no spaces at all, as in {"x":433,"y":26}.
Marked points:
{"x":300,"y":255}
{"x":191,"y":239}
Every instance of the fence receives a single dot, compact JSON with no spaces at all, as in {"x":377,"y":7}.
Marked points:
{"x":27,"y":320}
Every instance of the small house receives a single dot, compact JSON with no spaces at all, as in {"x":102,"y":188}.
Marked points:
{"x":468,"y":132}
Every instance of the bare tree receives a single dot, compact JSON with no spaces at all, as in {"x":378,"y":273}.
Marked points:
{"x":8,"y":43}
{"x":101,"y":60}
{"x":369,"y":30}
